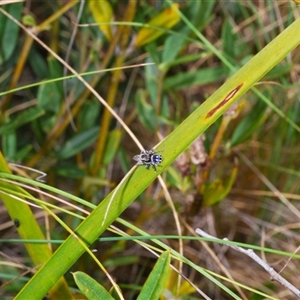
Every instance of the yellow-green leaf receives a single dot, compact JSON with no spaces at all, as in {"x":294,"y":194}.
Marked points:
{"x":165,"y":20}
{"x":90,"y":287}
{"x":102,"y":13}
{"x":28,"y":20}
{"x":186,"y":289}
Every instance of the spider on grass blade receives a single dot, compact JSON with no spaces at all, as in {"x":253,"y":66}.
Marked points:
{"x":149,"y":158}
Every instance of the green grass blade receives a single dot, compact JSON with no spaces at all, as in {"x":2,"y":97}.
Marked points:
{"x":28,"y":228}
{"x":154,"y":285}
{"x":9,"y":31}
{"x":173,"y":145}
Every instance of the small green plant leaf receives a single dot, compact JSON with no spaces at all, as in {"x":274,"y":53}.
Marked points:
{"x":28,"y":20}
{"x":90,"y":287}
{"x":166,"y":19}
{"x":102,"y":13}
{"x":155,"y":283}
{"x":9,"y":31}
{"x":88,"y":114}
{"x":173,"y":44}
{"x":49,"y":98}
{"x":23,"y":118}
{"x":78,"y":143}
{"x":56,"y":71}
{"x":38,"y":63}
{"x":9,"y":145}
{"x":50,"y":94}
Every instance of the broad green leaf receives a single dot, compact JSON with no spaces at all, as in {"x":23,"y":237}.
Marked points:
{"x":9,"y":31}
{"x":56,"y":71}
{"x":90,"y":287}
{"x":166,"y":19}
{"x":102,"y":13}
{"x":154,"y":285}
{"x":50,"y":94}
{"x":38,"y":63}
{"x":78,"y":143}
{"x":25,"y":117}
{"x":88,"y":114}
{"x":173,"y":45}
{"x":9,"y":145}
{"x":49,"y":97}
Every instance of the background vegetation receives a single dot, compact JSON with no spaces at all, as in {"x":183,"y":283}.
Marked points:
{"x":153,"y":66}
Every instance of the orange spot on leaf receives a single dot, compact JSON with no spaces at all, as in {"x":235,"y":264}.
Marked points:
{"x":224,"y":101}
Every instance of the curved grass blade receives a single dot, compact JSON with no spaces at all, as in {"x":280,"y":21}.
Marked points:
{"x":172,"y":145}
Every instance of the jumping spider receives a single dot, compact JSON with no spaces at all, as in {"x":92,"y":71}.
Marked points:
{"x":148,"y":158}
